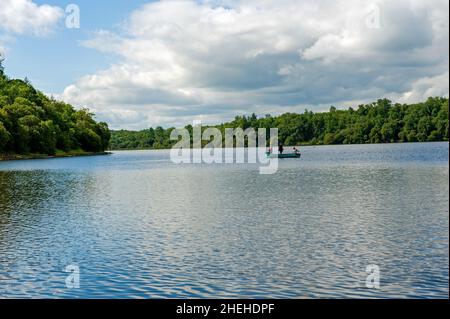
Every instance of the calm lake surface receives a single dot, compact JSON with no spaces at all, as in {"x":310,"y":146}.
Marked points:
{"x":139,"y":226}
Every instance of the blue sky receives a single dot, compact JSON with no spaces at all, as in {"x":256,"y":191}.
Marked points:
{"x":54,"y":61}
{"x":145,"y":63}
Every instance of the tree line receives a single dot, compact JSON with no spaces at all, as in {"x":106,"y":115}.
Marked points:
{"x":30,"y":122}
{"x":378,"y":122}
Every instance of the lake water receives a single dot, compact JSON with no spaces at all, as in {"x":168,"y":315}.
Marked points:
{"x":139,"y":226}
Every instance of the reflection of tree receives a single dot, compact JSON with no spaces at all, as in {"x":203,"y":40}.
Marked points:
{"x":37,"y":228}
{"x":25,"y":197}
{"x":6,"y":198}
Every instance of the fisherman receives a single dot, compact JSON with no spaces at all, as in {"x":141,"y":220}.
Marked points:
{"x":280,"y":149}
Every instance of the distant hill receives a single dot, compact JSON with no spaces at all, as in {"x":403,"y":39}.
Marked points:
{"x":31,"y":123}
{"x":378,"y":122}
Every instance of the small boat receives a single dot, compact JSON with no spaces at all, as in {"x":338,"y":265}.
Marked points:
{"x":285,"y":155}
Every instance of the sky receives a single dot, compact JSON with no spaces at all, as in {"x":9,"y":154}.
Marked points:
{"x":138,"y":63}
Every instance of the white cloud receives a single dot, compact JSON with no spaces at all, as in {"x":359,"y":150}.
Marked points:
{"x":425,"y":87}
{"x":185,"y":60}
{"x":25,"y":17}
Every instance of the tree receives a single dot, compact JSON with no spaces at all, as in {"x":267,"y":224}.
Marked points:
{"x":328,"y":139}
{"x":1,"y":64}
{"x":4,"y":137}
{"x":378,"y":122}
{"x":32,"y":122}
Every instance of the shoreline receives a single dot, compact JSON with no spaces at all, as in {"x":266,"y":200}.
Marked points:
{"x":286,"y":146}
{"x":22,"y":157}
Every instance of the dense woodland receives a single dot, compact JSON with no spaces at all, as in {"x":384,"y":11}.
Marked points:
{"x":31,"y":123}
{"x":379,"y":122}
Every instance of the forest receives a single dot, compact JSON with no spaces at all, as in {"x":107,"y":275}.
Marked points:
{"x":378,"y":122}
{"x":32,"y":123}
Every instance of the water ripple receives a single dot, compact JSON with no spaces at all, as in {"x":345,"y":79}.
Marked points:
{"x":141,"y":227}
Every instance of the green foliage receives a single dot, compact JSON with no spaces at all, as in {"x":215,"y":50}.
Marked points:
{"x":30,"y":122}
{"x":1,"y":65}
{"x":4,"y":136}
{"x":157,"y":138}
{"x":378,"y":122}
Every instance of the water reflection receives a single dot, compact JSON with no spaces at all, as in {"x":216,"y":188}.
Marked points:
{"x":139,"y":226}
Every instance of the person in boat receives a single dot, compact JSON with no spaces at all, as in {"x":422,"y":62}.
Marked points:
{"x":280,"y":149}
{"x":296,"y":151}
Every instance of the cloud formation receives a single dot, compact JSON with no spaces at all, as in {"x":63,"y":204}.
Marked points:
{"x":24,"y":16}
{"x":211,"y":60}
{"x":18,"y":17}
